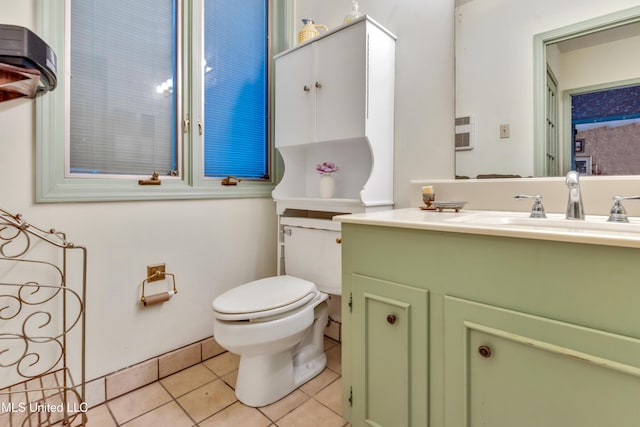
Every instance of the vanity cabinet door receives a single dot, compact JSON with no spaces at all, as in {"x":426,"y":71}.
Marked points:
{"x":390,"y":354}
{"x":505,"y":368}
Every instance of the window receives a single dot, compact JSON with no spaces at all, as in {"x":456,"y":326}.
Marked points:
{"x":120,"y":123}
{"x":177,"y":87}
{"x":235,"y":105}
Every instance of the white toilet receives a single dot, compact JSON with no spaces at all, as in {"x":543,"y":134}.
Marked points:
{"x":277,"y":324}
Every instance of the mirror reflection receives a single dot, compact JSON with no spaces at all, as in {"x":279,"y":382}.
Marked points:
{"x":539,"y":94}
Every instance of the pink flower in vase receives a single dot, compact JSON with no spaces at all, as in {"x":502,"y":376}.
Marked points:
{"x":326,"y":168}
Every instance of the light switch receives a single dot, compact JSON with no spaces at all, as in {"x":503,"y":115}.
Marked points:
{"x":504,"y":131}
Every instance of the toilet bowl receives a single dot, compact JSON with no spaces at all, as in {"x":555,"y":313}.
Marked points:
{"x":279,"y":335}
{"x":276,"y":325}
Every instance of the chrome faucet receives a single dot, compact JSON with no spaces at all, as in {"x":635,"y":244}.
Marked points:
{"x":575,"y":210}
{"x":537,"y":210}
{"x":618,"y":213}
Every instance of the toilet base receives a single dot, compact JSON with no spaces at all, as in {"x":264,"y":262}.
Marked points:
{"x":305,"y":372}
{"x":255,"y":389}
{"x":263,"y":379}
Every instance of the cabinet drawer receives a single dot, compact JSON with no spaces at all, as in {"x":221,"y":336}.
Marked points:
{"x":506,"y":368}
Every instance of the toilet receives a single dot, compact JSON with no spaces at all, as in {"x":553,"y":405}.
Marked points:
{"x":276,"y":325}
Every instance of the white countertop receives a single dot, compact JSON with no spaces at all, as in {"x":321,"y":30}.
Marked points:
{"x":596,"y":230}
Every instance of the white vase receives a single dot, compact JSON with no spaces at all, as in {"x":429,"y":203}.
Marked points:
{"x":327,"y":186}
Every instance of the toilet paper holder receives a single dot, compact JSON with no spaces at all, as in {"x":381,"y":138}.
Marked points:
{"x":162,"y":296}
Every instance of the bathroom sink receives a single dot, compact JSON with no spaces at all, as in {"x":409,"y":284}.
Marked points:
{"x":592,"y":224}
{"x":593,"y":230}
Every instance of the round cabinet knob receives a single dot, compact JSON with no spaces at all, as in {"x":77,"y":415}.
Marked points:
{"x":391,"y":319}
{"x":484,"y":351}
{"x":338,"y":240}
{"x":306,"y":88}
{"x":318,"y":85}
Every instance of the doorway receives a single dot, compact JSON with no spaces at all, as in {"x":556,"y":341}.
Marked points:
{"x":606,"y":131}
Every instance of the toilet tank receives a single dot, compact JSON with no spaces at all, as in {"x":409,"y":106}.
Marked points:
{"x":312,"y":252}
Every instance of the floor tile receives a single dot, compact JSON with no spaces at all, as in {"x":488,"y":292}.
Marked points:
{"x":207,"y":400}
{"x":169,"y":414}
{"x":231,"y":379}
{"x":97,"y":417}
{"x":138,"y":402}
{"x":277,"y":410}
{"x":328,"y":343}
{"x":237,"y":415}
{"x":203,"y":395}
{"x":187,"y":380}
{"x":334,"y":359}
{"x":223,"y":364}
{"x":331,"y":396}
{"x":325,"y":378}
{"x":311,"y":414}
{"x":15,"y":419}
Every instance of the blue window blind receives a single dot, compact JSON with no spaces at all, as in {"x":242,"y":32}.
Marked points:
{"x":235,"y":86}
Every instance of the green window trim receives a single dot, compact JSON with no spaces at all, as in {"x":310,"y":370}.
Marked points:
{"x":52,"y":185}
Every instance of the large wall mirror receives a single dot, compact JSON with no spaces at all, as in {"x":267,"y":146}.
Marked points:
{"x":544,"y":87}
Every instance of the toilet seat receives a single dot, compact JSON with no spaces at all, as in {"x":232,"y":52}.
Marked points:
{"x":264,"y":298}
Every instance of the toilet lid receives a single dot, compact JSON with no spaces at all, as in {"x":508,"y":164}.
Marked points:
{"x":264,"y":297}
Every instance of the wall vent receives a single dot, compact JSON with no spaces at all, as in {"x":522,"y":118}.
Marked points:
{"x":465,"y":133}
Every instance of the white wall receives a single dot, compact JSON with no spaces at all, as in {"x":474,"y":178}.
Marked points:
{"x":494,"y":68}
{"x":210,"y":246}
{"x":424,"y":103}
{"x":607,"y":62}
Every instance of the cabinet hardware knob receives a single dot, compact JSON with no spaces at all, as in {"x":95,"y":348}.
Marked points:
{"x":306,"y":88}
{"x":318,"y":85}
{"x":484,"y":351}
{"x":338,"y":240}
{"x":391,"y":319}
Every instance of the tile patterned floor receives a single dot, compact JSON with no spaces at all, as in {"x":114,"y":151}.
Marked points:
{"x":203,"y":395}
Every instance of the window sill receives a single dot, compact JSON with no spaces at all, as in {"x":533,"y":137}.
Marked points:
{"x":94,"y":190}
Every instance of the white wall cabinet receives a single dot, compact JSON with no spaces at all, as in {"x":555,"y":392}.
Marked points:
{"x":295,"y":97}
{"x":321,"y":90}
{"x":334,"y":101}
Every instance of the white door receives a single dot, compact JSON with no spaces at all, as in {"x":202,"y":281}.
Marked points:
{"x":552,"y":150}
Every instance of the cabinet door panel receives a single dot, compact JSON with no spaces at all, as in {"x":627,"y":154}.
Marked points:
{"x":341,"y":73}
{"x":295,"y":106}
{"x":535,"y":371}
{"x":389,"y":353}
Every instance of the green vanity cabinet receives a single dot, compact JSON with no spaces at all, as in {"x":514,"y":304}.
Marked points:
{"x":488,"y":330}
{"x":390,"y":380}
{"x":506,"y":368}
